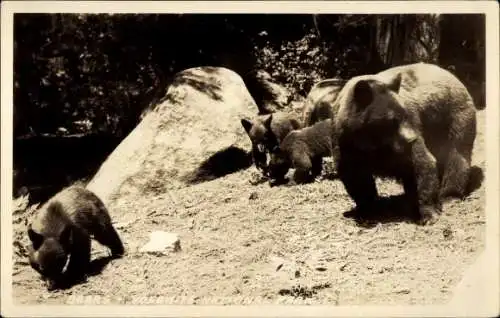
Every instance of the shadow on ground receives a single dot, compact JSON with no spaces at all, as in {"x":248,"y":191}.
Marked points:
{"x":396,"y":208}
{"x":390,"y":209}
{"x":95,"y":268}
{"x":221,"y":163}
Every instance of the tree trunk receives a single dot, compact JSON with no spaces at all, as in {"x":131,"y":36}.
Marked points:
{"x":393,"y":37}
{"x":374,"y":61}
{"x":461,"y":50}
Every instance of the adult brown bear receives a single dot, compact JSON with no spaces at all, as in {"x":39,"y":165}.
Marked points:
{"x":416,"y":123}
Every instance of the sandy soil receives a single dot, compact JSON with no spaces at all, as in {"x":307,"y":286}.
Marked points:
{"x":244,"y":243}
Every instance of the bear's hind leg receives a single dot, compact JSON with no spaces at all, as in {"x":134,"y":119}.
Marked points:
{"x":107,"y":236}
{"x":302,"y":175}
{"x":455,"y":176}
{"x":317,"y":166}
{"x":303,"y":167}
{"x":457,"y":166}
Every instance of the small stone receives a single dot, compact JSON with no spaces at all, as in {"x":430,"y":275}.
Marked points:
{"x":297,"y":274}
{"x":162,"y":242}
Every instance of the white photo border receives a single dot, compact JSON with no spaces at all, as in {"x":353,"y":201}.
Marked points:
{"x":491,"y":299}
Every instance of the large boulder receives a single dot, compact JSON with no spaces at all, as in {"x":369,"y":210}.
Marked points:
{"x":194,"y":133}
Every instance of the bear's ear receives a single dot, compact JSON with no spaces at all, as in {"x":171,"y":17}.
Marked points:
{"x":395,"y":83}
{"x":66,"y":237}
{"x":363,"y":94}
{"x":247,"y":124}
{"x":35,"y":238}
{"x":267,"y":122}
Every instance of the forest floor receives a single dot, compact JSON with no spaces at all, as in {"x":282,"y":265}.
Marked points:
{"x":245,"y":243}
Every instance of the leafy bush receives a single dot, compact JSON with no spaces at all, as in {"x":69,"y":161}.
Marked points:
{"x":295,"y":64}
{"x":76,"y":68}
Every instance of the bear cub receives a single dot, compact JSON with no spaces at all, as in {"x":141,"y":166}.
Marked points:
{"x":60,"y":235}
{"x":303,"y":149}
{"x":266,"y":132}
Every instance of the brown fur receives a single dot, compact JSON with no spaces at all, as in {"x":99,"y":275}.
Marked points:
{"x":303,"y":150}
{"x":416,"y":123}
{"x":61,"y":230}
{"x":266,"y":132}
{"x":306,"y":147}
{"x":318,"y":104}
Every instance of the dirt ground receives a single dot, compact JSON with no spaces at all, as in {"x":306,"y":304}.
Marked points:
{"x":255,"y":244}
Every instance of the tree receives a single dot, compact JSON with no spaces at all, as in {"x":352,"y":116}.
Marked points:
{"x":394,"y":37}
{"x":462,"y":50}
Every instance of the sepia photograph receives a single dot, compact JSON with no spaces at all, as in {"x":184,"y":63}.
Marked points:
{"x":294,"y":156}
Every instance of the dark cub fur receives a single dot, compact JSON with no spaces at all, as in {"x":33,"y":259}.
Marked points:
{"x":303,"y":150}
{"x":266,"y":132}
{"x":60,"y":234}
